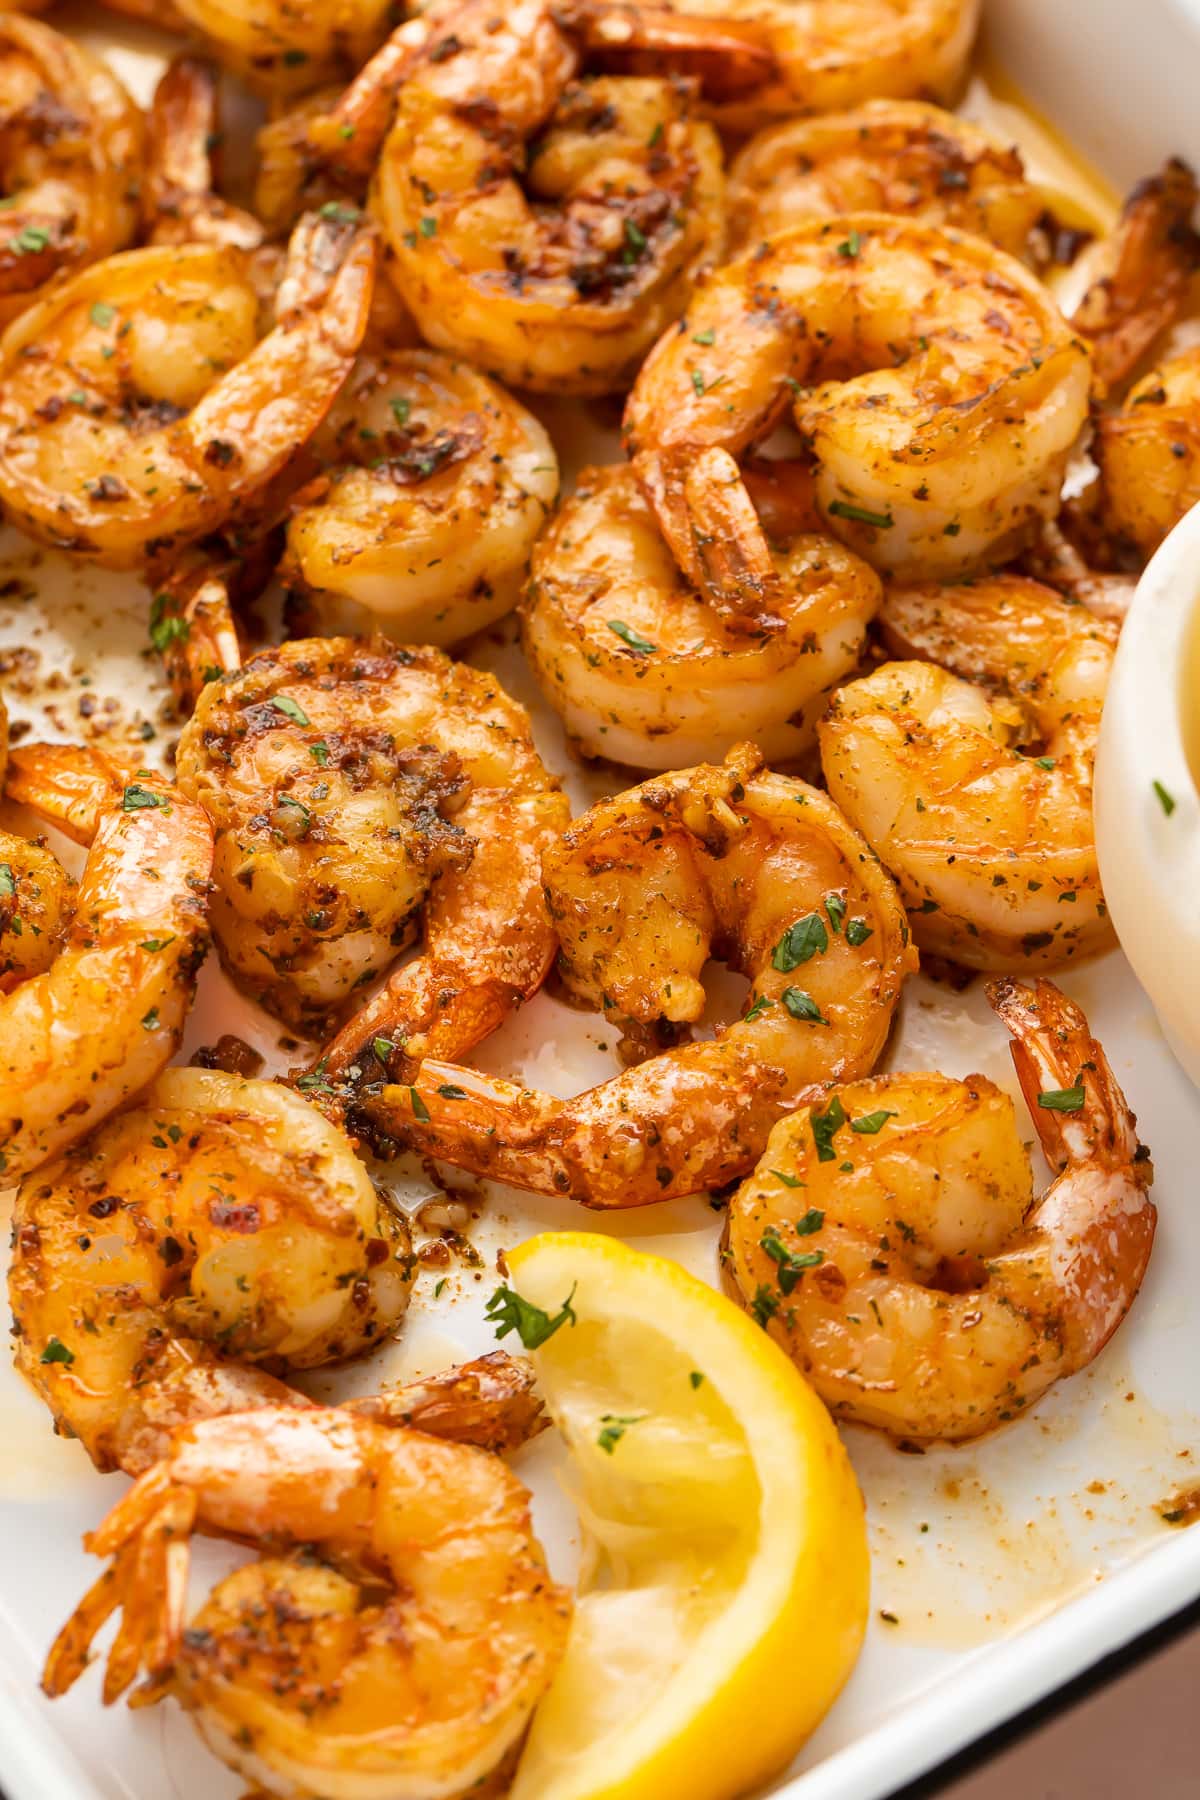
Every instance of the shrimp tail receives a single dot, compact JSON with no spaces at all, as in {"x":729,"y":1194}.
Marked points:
{"x":1073,"y":1096}
{"x":490,"y":1402}
{"x":146,"y":1534}
{"x":67,"y":784}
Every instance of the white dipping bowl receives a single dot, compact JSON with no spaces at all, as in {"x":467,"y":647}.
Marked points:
{"x":1146,"y":801}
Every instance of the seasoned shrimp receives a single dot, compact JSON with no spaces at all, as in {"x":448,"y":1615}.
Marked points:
{"x":37,"y":899}
{"x":180,"y":204}
{"x":79,"y":1039}
{"x":928,"y":348}
{"x":757,"y":866}
{"x":119,"y":437}
{"x":437,"y":484}
{"x":71,"y":149}
{"x":830,"y":54}
{"x":1141,"y":273}
{"x":644,"y":672}
{"x":280,"y":48}
{"x":889,"y":1241}
{"x":354,"y":784}
{"x":217,"y":1221}
{"x":1148,"y":454}
{"x":980,"y":803}
{"x":889,"y":156}
{"x":560,"y":284}
{"x":395,"y":1641}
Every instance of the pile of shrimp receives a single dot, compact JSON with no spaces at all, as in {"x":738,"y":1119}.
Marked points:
{"x":827,"y":630}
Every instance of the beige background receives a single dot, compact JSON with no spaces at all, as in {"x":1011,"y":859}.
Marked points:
{"x":1136,"y":1739}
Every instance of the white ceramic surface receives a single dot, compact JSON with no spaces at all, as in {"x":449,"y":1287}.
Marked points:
{"x":1147,"y":806}
{"x":1000,"y":1569}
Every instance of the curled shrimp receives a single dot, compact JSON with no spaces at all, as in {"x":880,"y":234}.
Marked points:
{"x":560,"y":282}
{"x":757,"y":866}
{"x":215,"y":1223}
{"x":118,"y":437}
{"x":888,"y":156}
{"x":889,"y":1240}
{"x":436,"y":485}
{"x":1148,"y":454}
{"x":831,"y":54}
{"x":643,"y":671}
{"x":1144,"y":273}
{"x":978,"y":801}
{"x":80,"y":1038}
{"x":354,"y":786}
{"x":71,"y":147}
{"x":928,"y":348}
{"x":396,"y":1639}
{"x":278,"y":48}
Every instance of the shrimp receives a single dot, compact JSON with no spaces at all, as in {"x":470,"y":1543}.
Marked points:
{"x":180,"y":204}
{"x":980,"y":803}
{"x":279,"y":48}
{"x":71,"y":147}
{"x":643,"y":672}
{"x":1144,"y":275}
{"x":437,"y":485}
{"x":757,"y":866}
{"x":217,"y":1221}
{"x":889,"y":1242}
{"x":830,"y":54}
{"x":560,"y":285}
{"x":117,"y":436}
{"x":889,"y":156}
{"x":82,"y":1037}
{"x":929,"y":349}
{"x":37,"y":899}
{"x":353,"y":784}
{"x":394,"y":1642}
{"x":1148,"y":454}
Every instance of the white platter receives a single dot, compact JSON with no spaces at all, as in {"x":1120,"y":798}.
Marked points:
{"x":1044,"y":1547}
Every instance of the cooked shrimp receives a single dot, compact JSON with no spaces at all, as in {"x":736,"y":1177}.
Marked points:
{"x":180,"y":204}
{"x":758,"y":867}
{"x":1144,"y":273}
{"x":394,"y":1643}
{"x":71,"y":149}
{"x":438,"y":482}
{"x":889,"y":156}
{"x":830,"y":54}
{"x":560,"y":284}
{"x":79,"y":1039}
{"x":949,"y":394}
{"x":980,"y":803}
{"x":280,"y":48}
{"x":889,"y":1241}
{"x":217,"y":1221}
{"x":644,"y":672}
{"x":353,"y":785}
{"x":37,"y":899}
{"x":1148,"y":453}
{"x":121,"y":436}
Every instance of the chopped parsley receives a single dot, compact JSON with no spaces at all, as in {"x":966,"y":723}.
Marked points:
{"x":799,"y":943}
{"x":507,"y":1311}
{"x":824,"y":1125}
{"x":842,"y":509}
{"x":291,"y":709}
{"x":1063,"y":1100}
{"x":613,"y":1429}
{"x":629,"y":636}
{"x":803,"y":1006}
{"x":867,"y":1124}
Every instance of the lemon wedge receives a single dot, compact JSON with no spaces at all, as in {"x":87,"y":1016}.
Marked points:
{"x":724,"y":1593}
